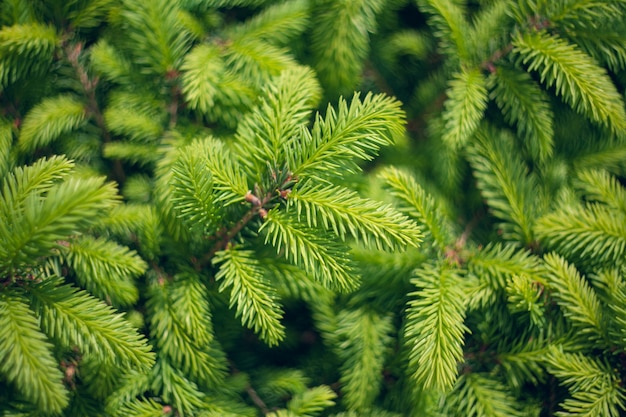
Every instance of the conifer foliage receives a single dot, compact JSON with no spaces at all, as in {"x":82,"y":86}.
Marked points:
{"x":192,"y":222}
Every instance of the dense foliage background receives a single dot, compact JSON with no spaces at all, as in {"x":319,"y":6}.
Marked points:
{"x":200,"y":217}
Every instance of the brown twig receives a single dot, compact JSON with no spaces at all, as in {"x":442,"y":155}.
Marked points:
{"x":226,"y":235}
{"x":256,"y":399}
{"x":72,"y":53}
{"x":254,"y":396}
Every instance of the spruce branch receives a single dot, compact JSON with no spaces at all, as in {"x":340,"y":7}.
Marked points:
{"x":448,"y":17}
{"x":27,"y":355}
{"x":93,"y":326}
{"x":479,"y":395}
{"x":435,"y":327}
{"x":49,"y":120}
{"x":526,"y":106}
{"x":577,"y":299}
{"x":363,"y":338}
{"x":355,"y":131}
{"x":593,"y":233}
{"x":465,"y":107}
{"x":26,"y":49}
{"x":189,"y":349}
{"x":584,"y":85}
{"x":254,"y":297}
{"x":345,"y":212}
{"x":322,"y":257}
{"x":503,"y":179}
{"x":418,"y":204}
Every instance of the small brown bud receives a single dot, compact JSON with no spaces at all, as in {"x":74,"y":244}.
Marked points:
{"x":263,"y":213}
{"x":251,"y":198}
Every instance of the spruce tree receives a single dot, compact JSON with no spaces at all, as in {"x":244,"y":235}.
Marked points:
{"x":192,"y":221}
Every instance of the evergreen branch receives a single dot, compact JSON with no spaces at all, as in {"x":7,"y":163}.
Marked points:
{"x":478,"y":395}
{"x":278,"y":383}
{"x":363,"y":339}
{"x":503,"y":179}
{"x":50,"y":119}
{"x":276,"y":24}
{"x":27,"y":359}
{"x":613,"y":292}
{"x":139,"y":122}
{"x":526,"y":106}
{"x":278,"y":119}
{"x":584,"y":85}
{"x":599,"y":185}
{"x":489,"y":34}
{"x":419,"y":205}
{"x":304,"y":247}
{"x":311,"y":402}
{"x":169,"y":327}
{"x":142,"y":408}
{"x":375,"y":412}
{"x":90,"y":14}
{"x":160,"y":40}
{"x":183,"y":394}
{"x":609,"y":155}
{"x":579,"y":372}
{"x":203,"y":70}
{"x":228,"y":180}
{"x":352,"y":132}
{"x":408,"y":42}
{"x":292,"y":282}
{"x":603,"y":45}
{"x":75,"y":318}
{"x":255,"y":299}
{"x":592,"y":14}
{"x":523,"y":361}
{"x":109,"y":63}
{"x":134,"y":153}
{"x":594,"y":233}
{"x":610,"y":402}
{"x":450,"y":26}
{"x":435,"y":327}
{"x":234,"y":97}
{"x":26,"y":49}
{"x":191,"y":298}
{"x":340,"y":38}
{"x":344,"y":211}
{"x":6,"y":142}
{"x":15,"y":12}
{"x":192,"y":183}
{"x":136,"y":222}
{"x":498,"y":263}
{"x":524,"y":296}
{"x":257,"y":61}
{"x":67,"y":208}
{"x":130,"y":385}
{"x":106,"y":269}
{"x":464,"y":108}
{"x":22,"y":182}
{"x":576,"y":298}
{"x":282,"y":413}
{"x":234,"y":3}
{"x":99,"y":378}
{"x":593,"y":384}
